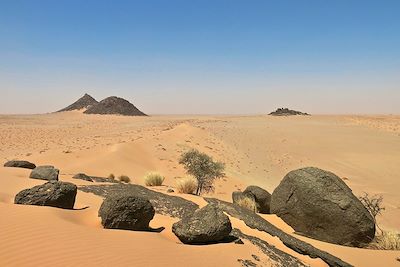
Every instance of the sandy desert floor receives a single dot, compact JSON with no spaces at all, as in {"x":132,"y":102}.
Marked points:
{"x":363,"y":150}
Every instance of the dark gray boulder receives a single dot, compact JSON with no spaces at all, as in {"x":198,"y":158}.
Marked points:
{"x":261,"y":197}
{"x":126,"y":212}
{"x":82,"y":176}
{"x":20,"y":164}
{"x":206,"y":225}
{"x":320,"y":205}
{"x":53,"y":194}
{"x":45,"y":173}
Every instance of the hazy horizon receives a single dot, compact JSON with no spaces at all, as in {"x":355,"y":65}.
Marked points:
{"x":202,"y":57}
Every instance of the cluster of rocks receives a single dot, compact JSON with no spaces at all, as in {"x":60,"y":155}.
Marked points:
{"x":286,"y":112}
{"x":109,"y":105}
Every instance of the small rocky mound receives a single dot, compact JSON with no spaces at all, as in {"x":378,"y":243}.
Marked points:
{"x":82,"y":176}
{"x":45,"y":173}
{"x":286,"y":112}
{"x":126,"y":212}
{"x":261,"y":197}
{"x":84,"y":102}
{"x":206,"y":225}
{"x":20,"y":164}
{"x":115,"y":105}
{"x":320,"y":205}
{"x":54,"y":194}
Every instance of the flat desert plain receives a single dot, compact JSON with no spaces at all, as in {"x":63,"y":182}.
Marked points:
{"x":257,"y":150}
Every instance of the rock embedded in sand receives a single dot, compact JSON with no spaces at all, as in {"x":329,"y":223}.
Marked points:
{"x":82,"y":176}
{"x":53,"y":194}
{"x":126,"y":212}
{"x":45,"y":173}
{"x":319,"y":204}
{"x":286,"y":112}
{"x":20,"y":164}
{"x":261,"y":196}
{"x":206,"y":225}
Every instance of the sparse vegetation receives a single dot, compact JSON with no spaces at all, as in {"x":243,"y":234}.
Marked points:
{"x":203,"y":168}
{"x":124,"y":178}
{"x":247,"y":203}
{"x":153,"y":179}
{"x":111,"y":176}
{"x":187,"y":185}
{"x":387,"y":240}
{"x":374,"y":205}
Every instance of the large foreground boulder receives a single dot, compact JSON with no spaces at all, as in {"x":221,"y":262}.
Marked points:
{"x":319,"y":204}
{"x":261,"y":197}
{"x":206,"y":225}
{"x":126,"y":212}
{"x":53,"y":194}
{"x":45,"y":173}
{"x":20,"y":164}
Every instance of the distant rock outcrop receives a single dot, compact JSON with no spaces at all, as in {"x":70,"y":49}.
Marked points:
{"x":286,"y":112}
{"x":54,"y":194}
{"x":114,"y":105}
{"x":84,"y":102}
{"x":320,"y":205}
{"x":20,"y":164}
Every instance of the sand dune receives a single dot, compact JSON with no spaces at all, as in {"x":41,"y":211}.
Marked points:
{"x":364,"y":151}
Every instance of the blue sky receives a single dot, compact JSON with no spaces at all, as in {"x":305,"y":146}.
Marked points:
{"x":185,"y":57}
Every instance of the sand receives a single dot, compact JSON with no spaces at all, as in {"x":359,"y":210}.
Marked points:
{"x":363,"y":150}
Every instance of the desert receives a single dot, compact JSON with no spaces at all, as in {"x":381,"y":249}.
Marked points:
{"x":256,"y":150}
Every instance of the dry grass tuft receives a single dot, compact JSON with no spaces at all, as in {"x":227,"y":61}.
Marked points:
{"x":187,"y":185}
{"x":153,"y":179}
{"x":111,"y":176}
{"x":124,"y":178}
{"x":388,"y":240}
{"x":247,"y":203}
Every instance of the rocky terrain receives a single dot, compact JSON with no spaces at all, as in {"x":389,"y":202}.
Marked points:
{"x":286,"y":112}
{"x":114,"y":105}
{"x":82,"y":103}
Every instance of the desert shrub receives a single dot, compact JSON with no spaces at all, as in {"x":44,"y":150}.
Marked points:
{"x":374,"y":205}
{"x":247,"y":203}
{"x":203,"y":168}
{"x":124,"y":178}
{"x":153,"y":179}
{"x":111,"y":176}
{"x":387,"y":240}
{"x":187,"y":185}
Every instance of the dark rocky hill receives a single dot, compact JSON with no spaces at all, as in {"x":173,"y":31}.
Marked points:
{"x":114,"y":105}
{"x":286,"y":112}
{"x":84,"y":102}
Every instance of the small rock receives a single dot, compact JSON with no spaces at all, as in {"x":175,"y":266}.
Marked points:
{"x":20,"y":164}
{"x":126,"y":212}
{"x":261,"y":196}
{"x":82,"y":176}
{"x":206,"y":225}
{"x":45,"y":173}
{"x":239,"y":241}
{"x":53,"y":194}
{"x":170,"y":190}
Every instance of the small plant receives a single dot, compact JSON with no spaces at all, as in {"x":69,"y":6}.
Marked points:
{"x":387,"y":240}
{"x":187,"y":185}
{"x":153,"y":179}
{"x":374,"y":205}
{"x":203,"y":168}
{"x":111,"y":176}
{"x":124,"y":178}
{"x":247,"y":203}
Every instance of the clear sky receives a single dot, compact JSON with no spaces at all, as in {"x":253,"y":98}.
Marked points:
{"x":199,"y":56}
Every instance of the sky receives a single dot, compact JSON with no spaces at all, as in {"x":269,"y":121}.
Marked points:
{"x":202,"y":56}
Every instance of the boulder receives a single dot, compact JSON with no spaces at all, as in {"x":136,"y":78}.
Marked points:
{"x":261,"y":197}
{"x":45,"y":173}
{"x":320,"y":205}
{"x":20,"y":164}
{"x":53,"y":194}
{"x":126,"y":212}
{"x":206,"y":225}
{"x":82,"y":176}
